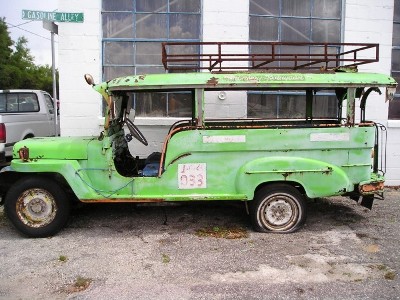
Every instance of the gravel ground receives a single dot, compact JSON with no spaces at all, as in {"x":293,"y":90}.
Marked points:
{"x":170,"y":252}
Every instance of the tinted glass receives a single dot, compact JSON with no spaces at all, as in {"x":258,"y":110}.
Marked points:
{"x":298,"y":8}
{"x":148,"y":53}
{"x":184,"y":26}
{"x":324,"y":31}
{"x":151,"y":104}
{"x":327,"y":9}
{"x":259,"y":7}
{"x":151,"y":6}
{"x":117,"y":25}
{"x":258,"y":26}
{"x":262,"y":106}
{"x":179,"y":105}
{"x":185,"y":6}
{"x":114,"y":72}
{"x":119,"y":53}
{"x":396,"y":34}
{"x":119,"y":5}
{"x":151,"y":26}
{"x":296,"y":30}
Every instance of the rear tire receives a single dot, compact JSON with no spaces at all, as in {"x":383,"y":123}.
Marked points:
{"x":278,"y":208}
{"x":37,"y":206}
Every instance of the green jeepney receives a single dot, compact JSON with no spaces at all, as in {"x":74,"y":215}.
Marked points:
{"x":272,"y":164}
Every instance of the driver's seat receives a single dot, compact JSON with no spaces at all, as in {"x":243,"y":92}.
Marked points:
{"x":152,"y":165}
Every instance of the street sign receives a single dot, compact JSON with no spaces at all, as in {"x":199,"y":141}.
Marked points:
{"x":52,"y":16}
{"x":50,"y":26}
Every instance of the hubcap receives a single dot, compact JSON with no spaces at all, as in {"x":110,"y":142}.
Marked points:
{"x":279,"y":212}
{"x":36,"y":208}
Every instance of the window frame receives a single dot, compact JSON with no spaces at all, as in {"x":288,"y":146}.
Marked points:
{"x":280,"y":17}
{"x":132,"y":67}
{"x":395,"y":48}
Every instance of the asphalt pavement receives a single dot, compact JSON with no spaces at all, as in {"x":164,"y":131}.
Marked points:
{"x":207,"y":251}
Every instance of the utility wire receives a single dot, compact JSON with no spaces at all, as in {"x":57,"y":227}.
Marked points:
{"x":17,"y":26}
{"x":20,"y":24}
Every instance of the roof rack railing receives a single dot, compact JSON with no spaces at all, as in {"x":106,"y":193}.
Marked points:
{"x":221,"y":56}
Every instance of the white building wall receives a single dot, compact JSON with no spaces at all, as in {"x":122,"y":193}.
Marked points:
{"x":79,"y":53}
{"x":367,"y":21}
{"x":371,"y":21}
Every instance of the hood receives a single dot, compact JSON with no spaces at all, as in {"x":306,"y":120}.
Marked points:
{"x":55,"y":147}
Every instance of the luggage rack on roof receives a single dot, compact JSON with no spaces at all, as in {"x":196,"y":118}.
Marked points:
{"x":220,"y":56}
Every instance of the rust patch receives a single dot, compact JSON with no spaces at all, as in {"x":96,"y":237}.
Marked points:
{"x":286,"y":174}
{"x":371,"y":187}
{"x":127,"y":200}
{"x":212,"y":81}
{"x":328,"y":171}
{"x":142,"y":77}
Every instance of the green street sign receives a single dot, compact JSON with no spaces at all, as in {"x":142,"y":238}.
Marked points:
{"x":52,"y":16}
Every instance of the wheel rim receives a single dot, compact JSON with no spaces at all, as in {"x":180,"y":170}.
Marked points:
{"x":279,"y":212}
{"x":36,"y":208}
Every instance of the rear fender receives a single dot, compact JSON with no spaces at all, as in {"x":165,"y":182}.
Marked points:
{"x":318,"y":178}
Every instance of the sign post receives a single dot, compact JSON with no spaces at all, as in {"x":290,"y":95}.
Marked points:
{"x":48,"y":18}
{"x":53,"y":28}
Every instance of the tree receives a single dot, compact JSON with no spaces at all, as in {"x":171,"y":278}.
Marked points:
{"x":17,"y":67}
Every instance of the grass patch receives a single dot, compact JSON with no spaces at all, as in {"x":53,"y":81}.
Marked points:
{"x":62,"y":258}
{"x":390,"y":275}
{"x":165,"y":258}
{"x":2,"y":218}
{"x":80,"y":284}
{"x":223,"y":232}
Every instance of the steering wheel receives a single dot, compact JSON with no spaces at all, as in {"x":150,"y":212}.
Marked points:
{"x":135,"y":132}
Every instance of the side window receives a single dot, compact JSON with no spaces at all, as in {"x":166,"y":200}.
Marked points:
{"x":165,"y":104}
{"x":28,"y":102}
{"x":291,"y":105}
{"x":49,"y":103}
{"x":12,"y":102}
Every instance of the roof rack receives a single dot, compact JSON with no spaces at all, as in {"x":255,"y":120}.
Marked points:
{"x":223,"y":56}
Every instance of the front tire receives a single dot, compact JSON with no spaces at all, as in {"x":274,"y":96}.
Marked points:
{"x":278,"y":208}
{"x":37,"y":206}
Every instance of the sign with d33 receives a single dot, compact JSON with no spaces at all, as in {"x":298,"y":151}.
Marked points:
{"x":52,"y":16}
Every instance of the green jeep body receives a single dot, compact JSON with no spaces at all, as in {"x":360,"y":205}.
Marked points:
{"x":278,"y":163}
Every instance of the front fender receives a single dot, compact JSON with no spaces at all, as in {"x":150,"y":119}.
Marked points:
{"x":318,"y":178}
{"x":68,"y":169}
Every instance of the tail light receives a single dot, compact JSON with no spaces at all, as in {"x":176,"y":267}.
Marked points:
{"x":2,"y":133}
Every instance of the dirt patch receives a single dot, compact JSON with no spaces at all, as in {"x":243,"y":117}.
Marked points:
{"x":223,"y":232}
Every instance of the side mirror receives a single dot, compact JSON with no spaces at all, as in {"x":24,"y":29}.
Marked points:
{"x":89,"y":79}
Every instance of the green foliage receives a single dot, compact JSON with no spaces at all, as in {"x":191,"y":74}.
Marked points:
{"x":17,"y":67}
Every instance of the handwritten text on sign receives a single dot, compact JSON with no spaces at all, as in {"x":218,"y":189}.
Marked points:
{"x":192,"y":176}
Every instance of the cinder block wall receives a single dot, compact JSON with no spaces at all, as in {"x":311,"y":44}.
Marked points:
{"x":371,"y":21}
{"x":79,"y":53}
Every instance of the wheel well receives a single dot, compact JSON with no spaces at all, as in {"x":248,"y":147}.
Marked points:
{"x":8,"y":178}
{"x":29,"y":135}
{"x":294,"y":184}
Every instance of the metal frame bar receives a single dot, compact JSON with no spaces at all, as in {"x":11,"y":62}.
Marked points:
{"x":215,"y":61}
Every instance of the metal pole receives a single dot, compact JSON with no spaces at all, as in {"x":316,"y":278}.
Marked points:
{"x":53,"y":62}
